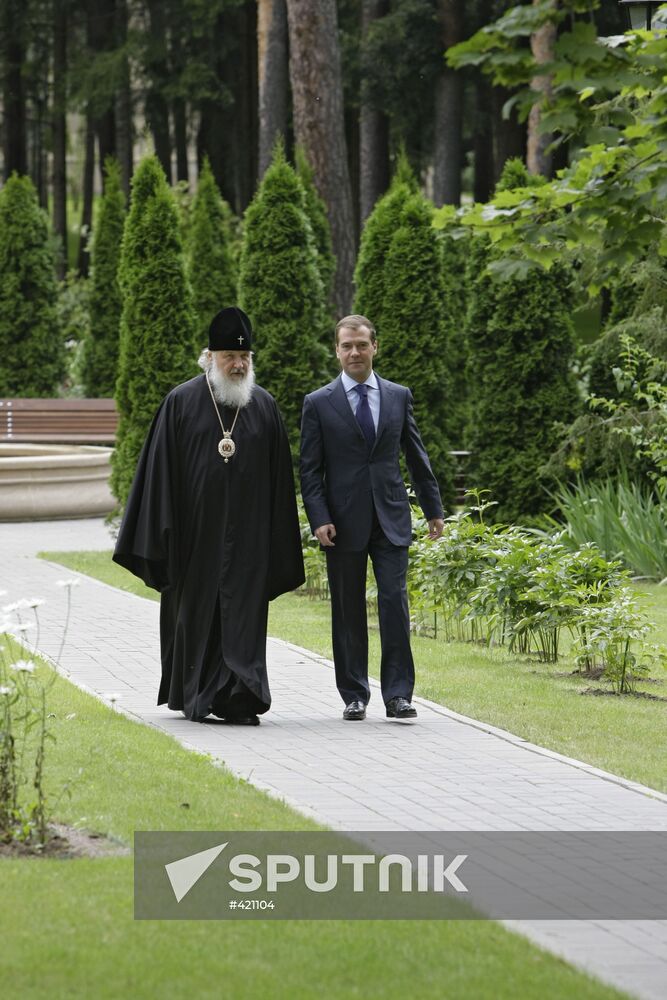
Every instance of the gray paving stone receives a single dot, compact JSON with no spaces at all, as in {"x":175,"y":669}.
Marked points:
{"x":446,"y":772}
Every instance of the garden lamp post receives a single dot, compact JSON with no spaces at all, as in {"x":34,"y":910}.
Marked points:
{"x":642,"y":14}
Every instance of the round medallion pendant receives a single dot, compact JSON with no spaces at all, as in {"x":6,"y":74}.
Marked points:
{"x":226,"y":447}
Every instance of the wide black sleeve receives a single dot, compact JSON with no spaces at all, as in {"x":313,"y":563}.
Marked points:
{"x":286,"y":557}
{"x":146,"y":536}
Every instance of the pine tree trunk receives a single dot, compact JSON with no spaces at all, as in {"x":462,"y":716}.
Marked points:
{"x":60,"y":132}
{"x":87,"y":186}
{"x":123,"y":103}
{"x":246,"y":127}
{"x":101,"y":38}
{"x":317,"y":99}
{"x":373,"y":131}
{"x":14,"y":98}
{"x":483,"y":142}
{"x":157,"y":109}
{"x":509,"y":134}
{"x":449,"y":112}
{"x":180,"y":139}
{"x":542,"y":43}
{"x":272,"y":76}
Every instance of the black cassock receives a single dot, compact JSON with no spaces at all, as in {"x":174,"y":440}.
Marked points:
{"x":219,"y":540}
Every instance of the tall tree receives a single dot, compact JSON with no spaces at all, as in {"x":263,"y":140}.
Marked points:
{"x":316,"y":211}
{"x":157,"y":344}
{"x":449,"y":111}
{"x":542,"y":43}
{"x":60,"y":20}
{"x":123,"y":100}
{"x":272,"y":64}
{"x":373,"y":129}
{"x":157,"y":108}
{"x":32,"y":352}
{"x":13,"y":92}
{"x":317,"y":97}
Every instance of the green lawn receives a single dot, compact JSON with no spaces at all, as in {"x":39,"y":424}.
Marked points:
{"x":67,"y":927}
{"x":543,"y":704}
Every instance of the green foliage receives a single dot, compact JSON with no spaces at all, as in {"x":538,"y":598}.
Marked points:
{"x":504,"y":586}
{"x":649,"y":331}
{"x":641,"y":287}
{"x":212,"y":267}
{"x":100,"y":350}
{"x":157,"y":344}
{"x":375,"y":242}
{"x":453,"y":310}
{"x":32,"y":349}
{"x":609,"y":101}
{"x":521,"y":349}
{"x":316,"y":211}
{"x":281,"y":290}
{"x":413,"y":347}
{"x":623,"y":518}
{"x":401,"y":60}
{"x":73,"y":311}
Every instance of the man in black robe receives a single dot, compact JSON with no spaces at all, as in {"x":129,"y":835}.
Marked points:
{"x":211,"y":522}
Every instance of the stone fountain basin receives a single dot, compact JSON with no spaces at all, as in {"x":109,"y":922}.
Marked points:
{"x":44,"y":482}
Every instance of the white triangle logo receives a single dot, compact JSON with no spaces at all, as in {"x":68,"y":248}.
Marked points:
{"x":186,"y":871}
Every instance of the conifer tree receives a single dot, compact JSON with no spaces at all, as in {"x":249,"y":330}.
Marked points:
{"x":376,"y":238}
{"x":211,"y":263}
{"x":32,"y":350}
{"x":413,"y":347}
{"x":521,"y":350}
{"x":157,"y":340}
{"x":100,"y":348}
{"x":316,"y":211}
{"x":281,"y":290}
{"x":454,"y":303}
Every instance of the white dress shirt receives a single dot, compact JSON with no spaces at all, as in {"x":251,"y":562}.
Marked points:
{"x":373,"y":395}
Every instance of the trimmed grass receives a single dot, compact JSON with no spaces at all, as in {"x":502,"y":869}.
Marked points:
{"x":67,"y":927}
{"x":543,"y":704}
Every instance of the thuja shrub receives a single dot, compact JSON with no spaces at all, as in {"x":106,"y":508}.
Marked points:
{"x":211,"y":264}
{"x":281,"y":290}
{"x":520,"y":373}
{"x":32,"y":349}
{"x":157,"y":341}
{"x":100,"y":348}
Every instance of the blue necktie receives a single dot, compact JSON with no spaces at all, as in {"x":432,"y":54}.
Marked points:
{"x":364,"y":415}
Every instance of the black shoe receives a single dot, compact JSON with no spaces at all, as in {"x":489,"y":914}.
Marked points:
{"x":356,"y":710}
{"x":400,"y":708}
{"x":241,"y":720}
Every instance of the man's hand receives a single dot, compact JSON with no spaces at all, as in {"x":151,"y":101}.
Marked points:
{"x":326,"y":533}
{"x":435,"y":528}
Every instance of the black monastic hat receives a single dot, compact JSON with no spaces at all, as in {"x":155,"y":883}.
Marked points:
{"x":230,"y":330}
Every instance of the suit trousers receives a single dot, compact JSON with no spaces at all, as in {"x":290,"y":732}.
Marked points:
{"x":347,"y":584}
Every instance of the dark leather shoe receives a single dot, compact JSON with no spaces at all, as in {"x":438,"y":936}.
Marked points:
{"x":355,"y":711}
{"x":400,"y":708}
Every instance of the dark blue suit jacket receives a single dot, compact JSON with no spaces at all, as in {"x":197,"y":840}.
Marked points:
{"x":341,"y":481}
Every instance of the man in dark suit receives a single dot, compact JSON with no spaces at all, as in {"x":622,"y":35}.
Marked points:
{"x":352,"y":432}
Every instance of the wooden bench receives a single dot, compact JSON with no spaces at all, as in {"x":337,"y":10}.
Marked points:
{"x":58,"y":421}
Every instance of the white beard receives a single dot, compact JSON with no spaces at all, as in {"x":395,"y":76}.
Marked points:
{"x":230,"y":391}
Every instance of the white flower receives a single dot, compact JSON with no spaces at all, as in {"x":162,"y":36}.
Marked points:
{"x":24,"y":626}
{"x":112,"y":696}
{"x":24,"y":666}
{"x":9,"y":608}
{"x":34,"y":602}
{"x":69,"y":583}
{"x":5,"y":690}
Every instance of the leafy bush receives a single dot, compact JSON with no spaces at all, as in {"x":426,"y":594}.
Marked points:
{"x":32,"y":348}
{"x":157,"y":345}
{"x":281,"y":290}
{"x":100,"y":348}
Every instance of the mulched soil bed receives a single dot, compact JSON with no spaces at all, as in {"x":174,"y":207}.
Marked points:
{"x":65,"y":842}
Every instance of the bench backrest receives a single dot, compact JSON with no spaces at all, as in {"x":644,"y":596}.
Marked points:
{"x":58,"y":421}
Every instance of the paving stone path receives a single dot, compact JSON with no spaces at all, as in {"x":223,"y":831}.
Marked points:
{"x":446,"y":772}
